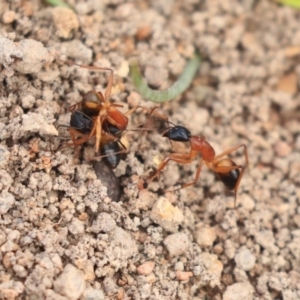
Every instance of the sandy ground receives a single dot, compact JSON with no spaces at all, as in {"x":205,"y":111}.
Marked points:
{"x":65,"y":235}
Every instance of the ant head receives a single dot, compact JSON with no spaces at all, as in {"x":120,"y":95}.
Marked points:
{"x":177,"y":134}
{"x":92,"y":102}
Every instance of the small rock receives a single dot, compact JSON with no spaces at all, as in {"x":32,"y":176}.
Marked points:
{"x":103,"y":223}
{"x":110,"y":287}
{"x":34,"y":56}
{"x":213,"y":266}
{"x":77,"y":50}
{"x":244,"y":259}
{"x":28,"y":101}
{"x":288,"y":84}
{"x":265,"y":238}
{"x":9,"y":246}
{"x":125,"y":241}
{"x":238,"y":291}
{"x":205,"y":236}
{"x":143,"y":32}
{"x":92,"y":294}
{"x":177,"y":243}
{"x":166,"y":215}
{"x":146,"y":268}
{"x":183,"y":276}
{"x":65,"y":21}
{"x":282,"y":149}
{"x":7,"y":201}
{"x":4,"y":155}
{"x":8,"y":17}
{"x":27,"y":56}
{"x":292,"y":51}
{"x":76,"y":226}
{"x":33,"y":122}
{"x":123,"y":70}
{"x":70,"y":282}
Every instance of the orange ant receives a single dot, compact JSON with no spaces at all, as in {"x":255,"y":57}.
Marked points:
{"x":111,"y":146}
{"x":226,"y":169}
{"x":101,"y":112}
{"x":97,"y":107}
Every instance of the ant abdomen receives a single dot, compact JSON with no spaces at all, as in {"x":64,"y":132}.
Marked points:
{"x":111,"y":152}
{"x":230,"y":178}
{"x":81,"y":122}
{"x":178,"y":134}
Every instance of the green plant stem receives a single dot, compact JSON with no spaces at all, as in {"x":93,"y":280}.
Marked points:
{"x":57,"y":3}
{"x":292,"y":3}
{"x":173,"y":91}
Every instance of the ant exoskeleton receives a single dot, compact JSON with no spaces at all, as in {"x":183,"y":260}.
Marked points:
{"x":225,"y":168}
{"x":111,"y":146}
{"x":97,"y":106}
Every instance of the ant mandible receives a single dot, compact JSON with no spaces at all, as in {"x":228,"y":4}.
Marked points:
{"x":226,"y":169}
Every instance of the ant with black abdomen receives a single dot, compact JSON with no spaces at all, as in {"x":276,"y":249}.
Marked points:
{"x":225,"y":168}
{"x":95,"y":115}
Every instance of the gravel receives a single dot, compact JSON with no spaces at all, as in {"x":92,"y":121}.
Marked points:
{"x":71,"y":229}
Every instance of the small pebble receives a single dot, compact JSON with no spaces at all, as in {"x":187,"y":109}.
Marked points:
{"x":103,"y":223}
{"x":75,"y":49}
{"x":146,"y":268}
{"x":213,"y":266}
{"x":8,"y":16}
{"x":76,"y":227}
{"x":70,"y":282}
{"x":282,"y":149}
{"x":238,"y":291}
{"x":28,"y":101}
{"x":244,"y":259}
{"x":65,"y":21}
{"x":166,"y":215}
{"x":177,"y":244}
{"x":184,"y":276}
{"x":34,"y":56}
{"x":7,"y":201}
{"x":205,"y":236}
{"x":33,"y":122}
{"x":92,"y":294}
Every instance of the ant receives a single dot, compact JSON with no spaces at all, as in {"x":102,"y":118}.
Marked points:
{"x":111,"y":145}
{"x":225,"y":168}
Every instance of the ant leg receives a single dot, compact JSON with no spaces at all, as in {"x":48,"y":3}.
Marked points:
{"x":98,"y":130}
{"x":110,"y":80}
{"x":181,"y":158}
{"x":74,"y":107}
{"x":196,"y":177}
{"x":224,"y":153}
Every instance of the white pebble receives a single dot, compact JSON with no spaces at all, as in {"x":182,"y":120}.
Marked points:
{"x":244,"y":259}
{"x":205,"y":236}
{"x":146,"y":268}
{"x":238,"y":291}
{"x":166,"y":215}
{"x":70,"y":282}
{"x":7,"y":201}
{"x":177,"y":244}
{"x":76,"y":227}
{"x":103,"y":223}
